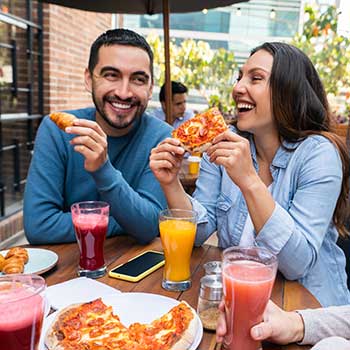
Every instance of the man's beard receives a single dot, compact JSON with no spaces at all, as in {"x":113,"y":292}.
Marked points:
{"x":119,"y":126}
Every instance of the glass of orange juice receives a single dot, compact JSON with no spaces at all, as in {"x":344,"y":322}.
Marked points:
{"x":177,"y":232}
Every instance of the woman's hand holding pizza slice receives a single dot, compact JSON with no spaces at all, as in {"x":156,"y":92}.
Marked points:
{"x":233,"y":153}
{"x":165,"y":161}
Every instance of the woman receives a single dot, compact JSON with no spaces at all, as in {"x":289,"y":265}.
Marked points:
{"x":279,"y":179}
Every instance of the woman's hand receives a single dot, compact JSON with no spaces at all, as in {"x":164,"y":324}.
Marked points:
{"x":233,"y":153}
{"x":165,"y":160}
{"x":278,"y":326}
{"x":91,"y":142}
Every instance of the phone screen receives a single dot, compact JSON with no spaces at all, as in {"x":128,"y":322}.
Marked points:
{"x":138,"y":265}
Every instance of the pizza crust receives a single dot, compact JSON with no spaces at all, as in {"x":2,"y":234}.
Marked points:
{"x":189,"y":335}
{"x":199,"y":149}
{"x":51,"y":341}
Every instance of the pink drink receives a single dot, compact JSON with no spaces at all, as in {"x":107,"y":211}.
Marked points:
{"x":21,"y":316}
{"x":247,"y":289}
{"x":91,"y":232}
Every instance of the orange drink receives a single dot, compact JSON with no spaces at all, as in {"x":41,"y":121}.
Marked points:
{"x":193,"y":165}
{"x":248,"y":276}
{"x":177,"y":232}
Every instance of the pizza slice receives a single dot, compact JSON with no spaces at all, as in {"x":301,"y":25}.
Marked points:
{"x":85,"y":326}
{"x":93,"y":326}
{"x":62,"y":119}
{"x":174,"y":330}
{"x":197,"y":133}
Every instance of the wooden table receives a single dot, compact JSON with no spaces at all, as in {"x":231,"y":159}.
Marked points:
{"x":289,"y":295}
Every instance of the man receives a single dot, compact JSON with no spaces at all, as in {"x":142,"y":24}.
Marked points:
{"x":179,"y":114}
{"x":105,"y":154}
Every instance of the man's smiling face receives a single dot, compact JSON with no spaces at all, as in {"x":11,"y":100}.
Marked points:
{"x":121,"y":86}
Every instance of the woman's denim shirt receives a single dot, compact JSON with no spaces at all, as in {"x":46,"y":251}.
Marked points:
{"x":306,"y":185}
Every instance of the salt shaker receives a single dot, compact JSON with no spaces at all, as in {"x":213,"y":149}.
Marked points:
{"x":210,"y":295}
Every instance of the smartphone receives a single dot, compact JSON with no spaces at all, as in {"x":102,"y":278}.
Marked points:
{"x":138,"y":267}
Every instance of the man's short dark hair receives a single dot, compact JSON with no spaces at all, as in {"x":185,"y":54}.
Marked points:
{"x":176,"y":88}
{"x":119,"y":36}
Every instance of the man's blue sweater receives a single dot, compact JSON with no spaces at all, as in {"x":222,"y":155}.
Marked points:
{"x":57,"y":179}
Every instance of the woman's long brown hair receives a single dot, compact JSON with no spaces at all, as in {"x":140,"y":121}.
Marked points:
{"x":301,"y":109}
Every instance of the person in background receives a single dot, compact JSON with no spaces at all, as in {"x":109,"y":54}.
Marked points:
{"x":328,"y":328}
{"x":105,"y":154}
{"x":179,"y":113}
{"x":277,"y":180}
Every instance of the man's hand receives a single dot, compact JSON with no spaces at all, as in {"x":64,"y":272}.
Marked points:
{"x":91,"y":142}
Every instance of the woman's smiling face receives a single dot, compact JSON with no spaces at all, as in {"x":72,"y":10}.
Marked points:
{"x":253,"y":96}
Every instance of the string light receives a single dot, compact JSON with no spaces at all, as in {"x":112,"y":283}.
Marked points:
{"x":205,"y":11}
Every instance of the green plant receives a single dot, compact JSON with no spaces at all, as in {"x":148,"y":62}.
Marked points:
{"x":199,"y":67}
{"x":329,"y":52}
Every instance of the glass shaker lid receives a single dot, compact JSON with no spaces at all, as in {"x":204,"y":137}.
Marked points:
{"x":211,"y":287}
{"x":212,"y":268}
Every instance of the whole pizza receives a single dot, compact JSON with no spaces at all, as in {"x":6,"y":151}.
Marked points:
{"x":197,"y":133}
{"x":94,"y":326}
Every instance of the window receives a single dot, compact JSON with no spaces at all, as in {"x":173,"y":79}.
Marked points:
{"x":21,"y":95}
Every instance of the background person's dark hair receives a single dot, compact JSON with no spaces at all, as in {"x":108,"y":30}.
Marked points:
{"x":119,"y":36}
{"x":176,"y":88}
{"x":300,"y":108}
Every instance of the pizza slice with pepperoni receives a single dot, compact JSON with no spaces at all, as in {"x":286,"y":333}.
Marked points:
{"x":197,"y":133}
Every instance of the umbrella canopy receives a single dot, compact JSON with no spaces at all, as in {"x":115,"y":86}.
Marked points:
{"x":149,"y":7}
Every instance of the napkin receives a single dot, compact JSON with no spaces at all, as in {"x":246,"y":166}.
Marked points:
{"x":77,"y":290}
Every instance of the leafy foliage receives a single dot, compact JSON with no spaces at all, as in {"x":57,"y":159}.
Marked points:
{"x":329,"y":52}
{"x":199,"y":67}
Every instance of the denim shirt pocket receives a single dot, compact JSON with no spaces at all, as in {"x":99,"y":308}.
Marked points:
{"x":225,"y":219}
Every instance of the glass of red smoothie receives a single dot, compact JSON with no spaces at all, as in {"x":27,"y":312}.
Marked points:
{"x":90,"y":221}
{"x":22,"y":306}
{"x":248,"y":276}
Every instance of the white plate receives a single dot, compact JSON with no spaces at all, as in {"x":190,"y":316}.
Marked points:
{"x":40,"y":260}
{"x":135,"y":307}
{"x":77,"y":290}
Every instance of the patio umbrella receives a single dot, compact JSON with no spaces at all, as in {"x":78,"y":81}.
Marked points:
{"x":149,"y":7}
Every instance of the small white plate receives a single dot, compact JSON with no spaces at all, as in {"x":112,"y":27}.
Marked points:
{"x":40,"y":260}
{"x":135,"y":307}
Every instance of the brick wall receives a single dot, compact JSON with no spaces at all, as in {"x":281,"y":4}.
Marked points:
{"x":68,"y":35}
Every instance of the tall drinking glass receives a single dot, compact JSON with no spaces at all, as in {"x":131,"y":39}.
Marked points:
{"x":248,"y":276}
{"x":90,"y":220}
{"x":177,"y":232}
{"x":22,"y":306}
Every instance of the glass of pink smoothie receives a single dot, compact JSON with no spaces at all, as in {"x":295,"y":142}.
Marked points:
{"x":22,"y":304}
{"x":248,"y":275}
{"x":90,"y":221}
